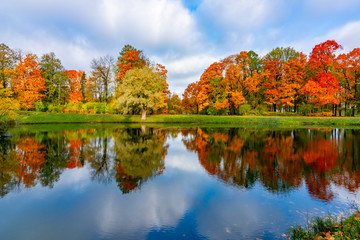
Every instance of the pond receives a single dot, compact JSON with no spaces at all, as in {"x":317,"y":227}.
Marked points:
{"x":159,"y":182}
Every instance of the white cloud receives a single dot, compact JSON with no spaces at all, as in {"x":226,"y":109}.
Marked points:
{"x":347,"y":36}
{"x":240,"y":14}
{"x":155,"y":23}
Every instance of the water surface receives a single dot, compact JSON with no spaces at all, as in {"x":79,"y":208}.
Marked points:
{"x":122,"y":182}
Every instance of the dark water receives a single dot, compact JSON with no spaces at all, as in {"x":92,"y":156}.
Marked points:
{"x":116,"y":182}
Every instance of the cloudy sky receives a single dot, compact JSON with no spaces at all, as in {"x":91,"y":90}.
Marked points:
{"x":184,"y":35}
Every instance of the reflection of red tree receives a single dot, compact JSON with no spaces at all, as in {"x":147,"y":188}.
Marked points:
{"x":31,"y":157}
{"x":74,"y":160}
{"x":319,"y":187}
{"x":127,"y":183}
{"x":321,"y":155}
{"x":278,"y":160}
{"x":350,"y":180}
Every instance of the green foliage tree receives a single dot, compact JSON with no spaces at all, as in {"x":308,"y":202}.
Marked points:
{"x":57,"y":81}
{"x":8,"y":59}
{"x":174,"y":105}
{"x":141,"y":90}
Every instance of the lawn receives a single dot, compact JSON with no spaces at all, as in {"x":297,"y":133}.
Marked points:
{"x":41,"y":117}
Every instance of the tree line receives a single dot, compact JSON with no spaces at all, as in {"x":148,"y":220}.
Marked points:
{"x":284,"y":80}
{"x":43,"y":84}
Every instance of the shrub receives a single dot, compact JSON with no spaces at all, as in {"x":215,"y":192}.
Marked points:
{"x":39,"y":107}
{"x":328,"y":227}
{"x":54,"y":108}
{"x":348,"y":112}
{"x":305,"y":109}
{"x":244,"y":109}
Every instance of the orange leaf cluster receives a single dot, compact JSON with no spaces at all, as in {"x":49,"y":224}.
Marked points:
{"x":28,"y":83}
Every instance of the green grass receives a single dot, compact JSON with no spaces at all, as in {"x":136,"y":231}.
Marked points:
{"x":41,"y":117}
{"x":328,"y":227}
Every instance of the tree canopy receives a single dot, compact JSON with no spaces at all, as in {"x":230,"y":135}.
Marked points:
{"x":141,"y":90}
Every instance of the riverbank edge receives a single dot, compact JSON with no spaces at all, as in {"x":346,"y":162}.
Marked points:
{"x":76,"y":118}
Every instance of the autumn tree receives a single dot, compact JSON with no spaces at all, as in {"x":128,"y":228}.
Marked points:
{"x":188,"y":101}
{"x":8,"y":59}
{"x":292,"y":81}
{"x":162,"y":72}
{"x":129,"y":59}
{"x":142,"y":90}
{"x":75,"y":85}
{"x":102,"y":71}
{"x":273,"y":65}
{"x":57,"y":81}
{"x":8,"y":106}
{"x":323,"y":87}
{"x":348,"y":68}
{"x":28,"y":82}
{"x":174,"y":104}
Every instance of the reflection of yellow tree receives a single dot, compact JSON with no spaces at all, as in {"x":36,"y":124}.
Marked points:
{"x":281,"y":160}
{"x":140,"y":156}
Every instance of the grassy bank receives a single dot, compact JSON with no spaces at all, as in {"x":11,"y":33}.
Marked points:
{"x":41,"y":117}
{"x":328,"y":227}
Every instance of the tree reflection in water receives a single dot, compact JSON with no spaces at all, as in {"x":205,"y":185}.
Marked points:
{"x":281,"y":160}
{"x":140,"y":156}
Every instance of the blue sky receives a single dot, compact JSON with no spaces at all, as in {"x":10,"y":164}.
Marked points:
{"x":184,"y":35}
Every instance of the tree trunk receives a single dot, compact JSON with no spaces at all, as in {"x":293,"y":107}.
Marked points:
{"x":353,"y":111}
{"x":143,"y":114}
{"x":143,"y":130}
{"x":345,"y":109}
{"x":339,"y":110}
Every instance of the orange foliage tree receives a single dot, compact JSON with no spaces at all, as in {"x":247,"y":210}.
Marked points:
{"x":75,"y":85}
{"x":348,"y":68}
{"x":323,"y":87}
{"x":129,"y":58}
{"x":189,"y":102}
{"x":27,"y":82}
{"x":162,"y":72}
{"x":221,"y":86}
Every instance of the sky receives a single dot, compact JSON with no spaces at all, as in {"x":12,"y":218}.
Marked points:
{"x":184,"y":35}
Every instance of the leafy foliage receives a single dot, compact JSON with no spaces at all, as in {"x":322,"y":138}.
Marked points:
{"x":141,"y":90}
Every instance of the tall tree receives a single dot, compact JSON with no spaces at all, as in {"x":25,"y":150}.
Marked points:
{"x":8,"y":59}
{"x":273,"y":64}
{"x":75,"y":85}
{"x":129,"y":59}
{"x":142,"y":89}
{"x":28,"y":82}
{"x":348,"y":68}
{"x":102,"y":70}
{"x":188,"y":101}
{"x":56,"y":80}
{"x":323,"y":87}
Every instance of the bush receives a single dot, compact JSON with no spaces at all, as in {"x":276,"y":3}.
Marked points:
{"x":54,"y":108}
{"x":328,"y":227}
{"x":244,"y":109}
{"x":215,"y":111}
{"x":39,"y":107}
{"x":305,"y":109}
{"x":348,"y":112}
{"x":3,"y":127}
{"x":259,"y":110}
